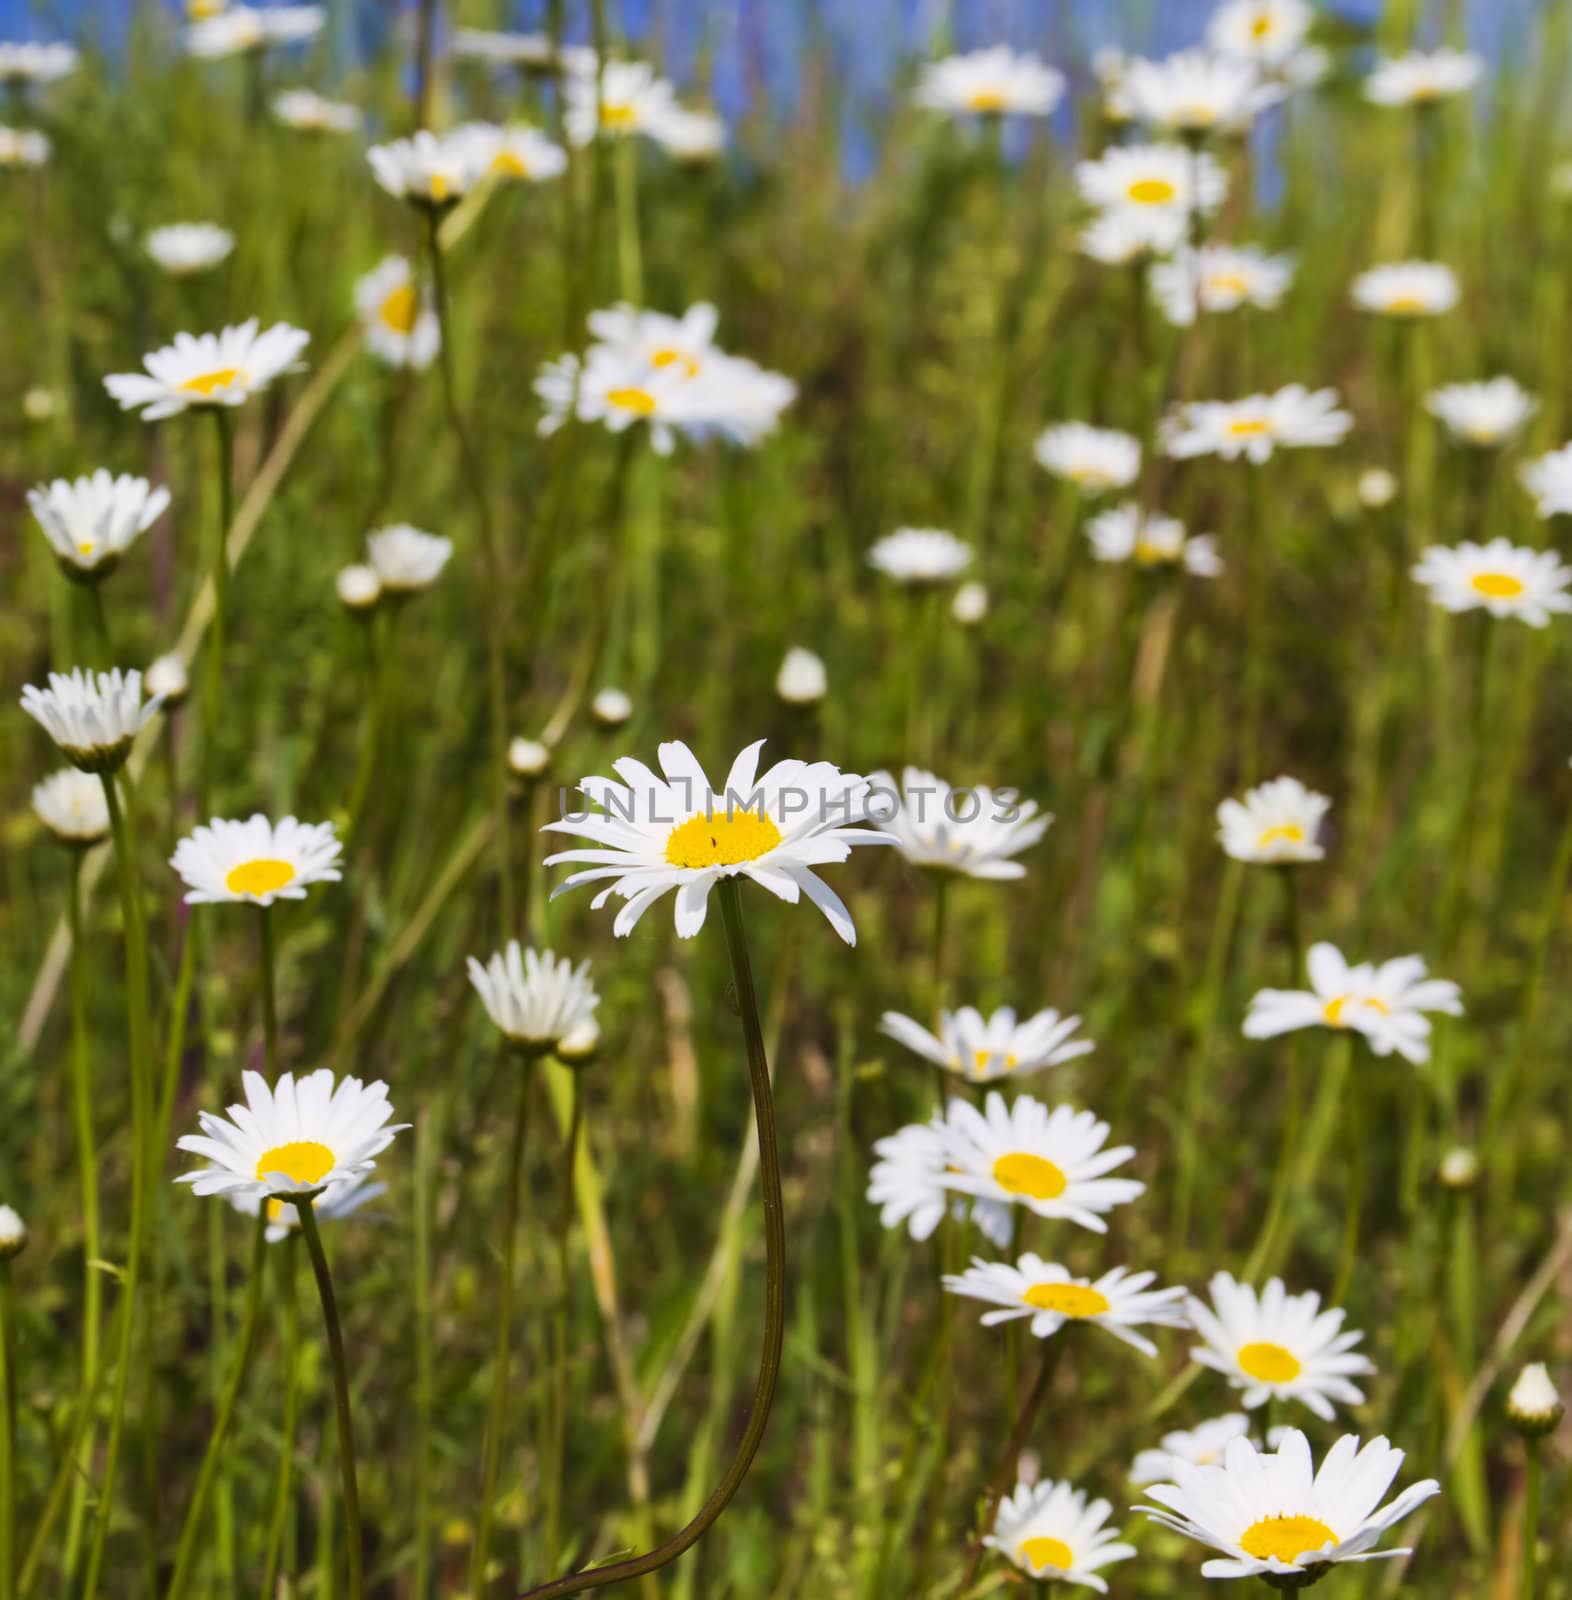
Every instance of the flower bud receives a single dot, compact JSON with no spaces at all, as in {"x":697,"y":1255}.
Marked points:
{"x":611,"y":708}
{"x":1376,"y":488}
{"x":1533,"y":1407}
{"x":359,"y":588}
{"x":801,"y":680}
{"x":579,"y":1047}
{"x":970,"y":604}
{"x":528,"y":758}
{"x":167,"y":678}
{"x":1459,"y":1168}
{"x":13,"y":1234}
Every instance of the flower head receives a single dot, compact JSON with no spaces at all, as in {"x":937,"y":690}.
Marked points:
{"x":358,"y":587}
{"x":1222,"y":278}
{"x":975,"y":832}
{"x":1505,"y":579}
{"x":982,"y":1049}
{"x":214,"y":369}
{"x":1533,"y":1406}
{"x":1423,"y":77}
{"x":93,"y":717}
{"x":907,"y":1184}
{"x":536,"y":999}
{"x":993,"y":82}
{"x":1276,"y":823}
{"x":969,"y":605}
{"x":405,"y":559}
{"x":167,"y":679}
{"x":1292,"y":418}
{"x":1050,"y":1532}
{"x":1267,"y":32}
{"x":308,"y":112}
{"x":801,"y":680}
{"x":72,"y":806}
{"x":1549,"y":479}
{"x":1410,"y":289}
{"x":1126,"y":533}
{"x":915,"y":556}
{"x":611,"y":706}
{"x":1159,"y":178}
{"x":91,"y":522}
{"x":240,"y":29}
{"x":1482,"y":414}
{"x":22,"y":147}
{"x":256,"y":861}
{"x":614,"y":98}
{"x":1376,"y":487}
{"x":691,"y":137}
{"x":1094,"y":459}
{"x":25,"y":62}
{"x":516,"y":154}
{"x":1195,"y":92}
{"x":1126,"y":234}
{"x":402,"y":329}
{"x":429,"y":169}
{"x":1201,"y":1446}
{"x":184,"y":249}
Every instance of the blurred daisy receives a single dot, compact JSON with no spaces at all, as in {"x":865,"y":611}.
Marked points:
{"x":970,"y":604}
{"x":1406,"y":289}
{"x":214,"y":369}
{"x":801,"y":680}
{"x":332,"y":1205}
{"x":238,"y":29}
{"x":915,"y":556}
{"x":528,"y":758}
{"x":1050,"y":1532}
{"x":13,"y":1233}
{"x":535,"y":999}
{"x":1194,"y":92}
{"x":295,"y":1138}
{"x":93,"y":717}
{"x":1376,"y":487}
{"x":907,"y":1184}
{"x":1482,"y":414}
{"x":429,"y":169}
{"x":1051,"y":1162}
{"x":22,"y":147}
{"x":1423,"y":77}
{"x":1222,"y":279}
{"x":167,"y":680}
{"x":1549,"y":479}
{"x":308,"y":112}
{"x":617,"y":388}
{"x":1276,"y":823}
{"x":1128,"y":234}
{"x":1505,"y":579}
{"x":655,"y":834}
{"x":974,"y":832}
{"x":1201,"y":1446}
{"x":619,"y":98}
{"x":255,"y":862}
{"x":401,"y":327}
{"x":520,"y":154}
{"x":1096,"y":459}
{"x":1293,"y":418}
{"x":994,"y":82}
{"x":91,"y":522}
{"x":1159,"y":178}
{"x":23,"y":62}
{"x":611,"y":707}
{"x":1050,"y":1296}
{"x":532,"y":50}
{"x":72,"y":805}
{"x":405,"y":559}
{"x":184,"y":249}
{"x":692,"y":137}
{"x":358,"y":587}
{"x":1385,"y":1003}
{"x":1127,"y":534}
{"x":982,"y":1049}
{"x":1265,"y":32}
{"x":1274,"y":1516}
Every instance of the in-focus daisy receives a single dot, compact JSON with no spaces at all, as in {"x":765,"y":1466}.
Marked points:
{"x":91,"y":522}
{"x":214,"y":369}
{"x":1163,"y":178}
{"x":1549,"y":479}
{"x":802,"y":680}
{"x":907,"y":1185}
{"x":517,"y":153}
{"x":167,"y":680}
{"x":239,"y":29}
{"x":1276,"y":823}
{"x":22,"y":147}
{"x":1126,"y":533}
{"x":184,"y":249}
{"x":535,"y":998}
{"x":405,"y":559}
{"x":1293,"y":418}
{"x":1050,"y":1295}
{"x":429,"y":169}
{"x":1482,"y":414}
{"x":71,"y":804}
{"x":916,"y":556}
{"x":1132,"y":234}
{"x":1221,"y":278}
{"x":1265,"y":32}
{"x":620,"y":98}
{"x":296,"y":1138}
{"x":1278,"y":1346}
{"x":1422,"y":77}
{"x":1195,"y":92}
{"x":23,"y":62}
{"x":1200,"y":1446}
{"x":1274,"y":1516}
{"x":1385,"y":1003}
{"x":654,"y":834}
{"x":993,"y":82}
{"x":1406,"y":289}
{"x":308,"y":112}
{"x":1051,"y":1162}
{"x":93,"y":717}
{"x":1096,"y":459}
{"x":402,"y":328}
{"x":972,"y":831}
{"x":332,"y":1205}
{"x":1050,"y":1532}
{"x":256,"y":862}
{"x":1505,"y":579}
{"x":982,"y":1049}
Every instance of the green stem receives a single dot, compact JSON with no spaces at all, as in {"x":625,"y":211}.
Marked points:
{"x":214,"y":685}
{"x":1525,"y":1588}
{"x":95,"y":599}
{"x":630,"y":263}
{"x":279,"y":1520}
{"x":269,"y":993}
{"x":7,"y":1435}
{"x":428,"y":1141}
{"x":559,"y":1387}
{"x":1353,"y":1142}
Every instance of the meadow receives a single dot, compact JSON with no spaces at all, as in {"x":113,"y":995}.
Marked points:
{"x":724,"y":1239}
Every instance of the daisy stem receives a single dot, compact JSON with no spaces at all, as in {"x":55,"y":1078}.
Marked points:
{"x":269,"y":993}
{"x":1353,"y":1142}
{"x":1291,"y":922}
{"x":186,"y":1551}
{"x":213,"y":687}
{"x":1454,"y":893}
{"x":630,"y":264}
{"x":346,"y":1425}
{"x":1255,"y":622}
{"x":940,"y":907}
{"x":1530,"y":1535}
{"x":95,"y":601}
{"x":7,"y":1435}
{"x":775,"y":1287}
{"x":286,"y":1459}
{"x":557,"y":1434}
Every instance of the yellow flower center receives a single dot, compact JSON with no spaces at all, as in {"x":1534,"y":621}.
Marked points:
{"x":1405,"y":305}
{"x":301,"y":1160}
{"x":1268,"y":1363}
{"x":1227,"y":283}
{"x":639,"y":401}
{"x":1249,"y":427}
{"x":398,"y":310}
{"x":438,"y":186}
{"x":1333,"y":1011}
{"x":201,"y":10}
{"x":1148,"y":554}
{"x":985,"y":100}
{"x":508,"y":165}
{"x":1497,"y":585}
{"x":1262,"y":26}
{"x":1045,"y":1552}
{"x":210,"y":381}
{"x":1284,"y":1538}
{"x":674,"y":358}
{"x":617,"y":115}
{"x":85,"y":547}
{"x":721,"y":841}
{"x":982,"y":1059}
{"x":1152,"y":191}
{"x":1284,"y":833}
{"x":1074,"y":1300}
{"x":264,"y":876}
{"x":1032,"y":1176}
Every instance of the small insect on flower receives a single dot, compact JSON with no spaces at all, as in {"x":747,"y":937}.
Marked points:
{"x":1273,"y":1515}
{"x":71,"y":805}
{"x":1422,"y":77}
{"x":619,"y":98}
{"x":1277,"y":823}
{"x":402,"y":327}
{"x":1127,"y":533}
{"x":1549,"y":479}
{"x":1406,"y":289}
{"x":920,"y":556}
{"x":1050,"y":1533}
{"x":256,"y":861}
{"x":93,"y":717}
{"x":1222,"y":279}
{"x":332,"y":1205}
{"x":1505,"y":579}
{"x":240,"y":30}
{"x":307,"y":112}
{"x":982,"y":1049}
{"x":1094,"y":459}
{"x":1194,"y":93}
{"x":1256,"y":427}
{"x":24,"y":62}
{"x":994,"y":82}
{"x":536,"y":999}
{"x":405,"y":559}
{"x":433,"y":171}
{"x":1200,"y":1446}
{"x":1484,"y":415}
{"x":92,"y":521}
{"x":975,"y":832}
{"x":907,"y":1184}
{"x":184,"y":249}
{"x":214,"y":369}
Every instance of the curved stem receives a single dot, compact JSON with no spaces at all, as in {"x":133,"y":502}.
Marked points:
{"x":286,"y":1461}
{"x":559,"y":1387}
{"x":775,"y":1290}
{"x":269,"y":994}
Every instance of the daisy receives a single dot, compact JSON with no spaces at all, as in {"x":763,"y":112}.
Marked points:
{"x":1277,"y":1346}
{"x":915,"y":556}
{"x":1159,"y":178}
{"x":1095,"y":459}
{"x":1050,"y":1296}
{"x":1276,"y":823}
{"x":1406,"y":289}
{"x":907,"y":1185}
{"x":167,"y":680}
{"x":1292,"y":418}
{"x":685,"y":344}
{"x":72,"y":805}
{"x":1482,"y":414}
{"x":297,"y":1138}
{"x":1386,"y":1003}
{"x":1504,"y":579}
{"x":1201,"y":1446}
{"x":93,"y":717}
{"x":520,"y":154}
{"x":983,"y":1049}
{"x":1274,"y":1516}
{"x":239,"y":29}
{"x":802,"y":680}
{"x":1128,"y":234}
{"x":528,"y":758}
{"x":402,"y":329}
{"x":214,"y":369}
{"x":1051,"y":1162}
{"x":995,"y":82}
{"x":654,"y":834}
{"x":615,"y":98}
{"x":184,"y":249}
{"x":22,"y":147}
{"x":91,"y":522}
{"x":971,"y":831}
{"x":256,"y":862}
{"x":13,"y":1233}
{"x":1195,"y":93}
{"x":535,"y":998}
{"x":1533,"y":1406}
{"x":406,"y":560}
{"x":308,"y":112}
{"x":618,"y":389}
{"x":611,"y":707}
{"x":1421,"y":78}
{"x":1050,"y":1532}
{"x":342,"y":1200}
{"x":1222,"y":279}
{"x":1549,"y":479}
{"x":1265,"y":32}
{"x":358,"y":587}
{"x":970,"y":604}
{"x":429,"y":169}
{"x":36,"y":63}
{"x":692,"y":137}
{"x":1127,"y":534}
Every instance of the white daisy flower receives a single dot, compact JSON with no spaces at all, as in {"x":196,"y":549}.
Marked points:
{"x":1196,"y":92}
{"x":167,"y":680}
{"x":1549,"y":479}
{"x":91,"y":522}
{"x":184,"y":249}
{"x":296,"y":1138}
{"x":401,"y":327}
{"x":24,"y":62}
{"x":1482,"y":414}
{"x":72,"y":805}
{"x":611,"y":707}
{"x":1293,"y":418}
{"x":532,"y":50}
{"x":1376,"y":487}
{"x":535,"y":998}
{"x":1161,"y":178}
{"x":907,"y":1184}
{"x":1051,"y":1162}
{"x":802,"y":680}
{"x":1386,"y":1003}
{"x":1051,"y":1296}
{"x":517,"y":153}
{"x":994,"y":82}
{"x":308,"y":112}
{"x":617,"y":388}
{"x":429,"y":169}
{"x":1406,"y":289}
{"x":1095,"y":459}
{"x":213,"y":369}
{"x":1505,"y":579}
{"x":22,"y":147}
{"x":238,"y":29}
{"x":692,"y":137}
{"x":1278,"y":1346}
{"x":972,"y":831}
{"x":1129,"y":234}
{"x":1423,"y":77}
{"x":970,"y":604}
{"x":256,"y":862}
{"x":685,"y":344}
{"x":620,"y":98}
{"x":93,"y":717}
{"x":654,"y":834}
{"x":1127,"y":534}
{"x":1050,"y":1532}
{"x":358,"y":587}
{"x":920,"y":556}
{"x":1266,"y":32}
{"x":1222,"y":278}
{"x":332,"y":1205}
{"x":405,"y":559}
{"x":1200,"y":1446}
{"x":982,"y":1049}
{"x":1274,"y":1516}
{"x":1276,"y":823}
